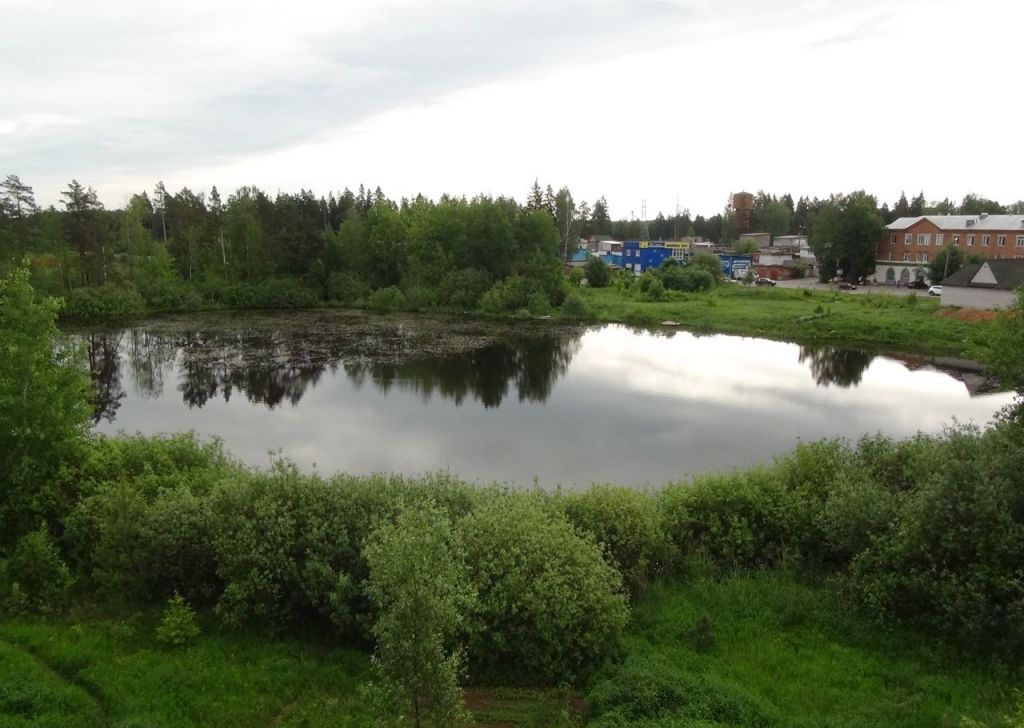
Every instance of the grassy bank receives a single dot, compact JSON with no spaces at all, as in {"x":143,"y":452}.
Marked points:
{"x":83,"y":671}
{"x":775,"y":653}
{"x":870,"y":321}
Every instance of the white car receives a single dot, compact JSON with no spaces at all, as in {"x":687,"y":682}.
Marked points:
{"x":935,"y":291}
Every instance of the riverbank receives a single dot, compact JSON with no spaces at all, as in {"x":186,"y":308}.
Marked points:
{"x":873,"y":322}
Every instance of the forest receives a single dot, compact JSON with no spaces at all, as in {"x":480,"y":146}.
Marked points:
{"x":186,"y":251}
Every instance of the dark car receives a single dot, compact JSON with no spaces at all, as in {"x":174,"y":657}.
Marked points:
{"x":764,"y":282}
{"x":847,"y":286}
{"x":919,"y":285}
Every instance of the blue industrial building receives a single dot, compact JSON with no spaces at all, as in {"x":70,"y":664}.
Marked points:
{"x":639,"y":255}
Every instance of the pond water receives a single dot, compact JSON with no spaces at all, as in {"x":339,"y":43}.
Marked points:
{"x":518,"y":403}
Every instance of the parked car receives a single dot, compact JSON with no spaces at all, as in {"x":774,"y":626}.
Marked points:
{"x":847,"y":286}
{"x":935,"y":291}
{"x":918,"y":284}
{"x":764,"y":282}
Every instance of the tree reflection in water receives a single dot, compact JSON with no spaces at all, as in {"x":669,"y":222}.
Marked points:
{"x":831,"y":365}
{"x":273,"y":365}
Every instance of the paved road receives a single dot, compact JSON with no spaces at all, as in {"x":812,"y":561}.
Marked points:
{"x":817,"y":285}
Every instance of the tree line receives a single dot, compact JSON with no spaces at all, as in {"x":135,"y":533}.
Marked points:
{"x":183,"y":250}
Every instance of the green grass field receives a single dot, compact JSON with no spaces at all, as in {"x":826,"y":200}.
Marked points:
{"x":871,"y":321}
{"x":776,"y":653}
{"x":785,"y":654}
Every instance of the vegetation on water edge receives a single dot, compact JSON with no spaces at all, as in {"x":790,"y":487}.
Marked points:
{"x":923,"y":535}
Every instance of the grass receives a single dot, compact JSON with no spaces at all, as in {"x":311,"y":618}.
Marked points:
{"x":778,"y":653}
{"x":870,"y":321}
{"x":81,"y":673}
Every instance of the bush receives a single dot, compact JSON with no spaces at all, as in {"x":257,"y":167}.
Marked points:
{"x":346,"y":288}
{"x":272,"y":293}
{"x":511,"y":294}
{"x":388,"y":299}
{"x":655,"y":290}
{"x":178,"y":626}
{"x":549,"y":605}
{"x":539,"y":305}
{"x":283,"y":550}
{"x":626,"y":523}
{"x":36,"y":578}
{"x":597,"y":272}
{"x":462,"y":289}
{"x":103,"y":303}
{"x":168,"y":293}
{"x":575,"y":307}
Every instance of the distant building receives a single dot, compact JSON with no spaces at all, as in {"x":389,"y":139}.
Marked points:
{"x":992,"y":284}
{"x":736,"y":266}
{"x":762,"y":240}
{"x":908,"y":244}
{"x":639,"y":255}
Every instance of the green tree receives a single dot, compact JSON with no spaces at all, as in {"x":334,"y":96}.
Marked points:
{"x":845,"y":234}
{"x":947,"y":262}
{"x":418,"y":583}
{"x":44,"y":405}
{"x":17,"y":205}
{"x":85,"y":231}
{"x":597,"y":272}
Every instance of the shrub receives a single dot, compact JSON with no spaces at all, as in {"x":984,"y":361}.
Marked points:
{"x":549,"y":605}
{"x":36,"y":578}
{"x":388,"y":299}
{"x":178,"y":626}
{"x":169,"y":293}
{"x":576,"y":308}
{"x":346,"y":288}
{"x":507,"y":296}
{"x":462,"y":289}
{"x":104,"y":303}
{"x":597,"y":272}
{"x":655,"y":290}
{"x":539,"y":305}
{"x":283,"y":550}
{"x":625,"y":522}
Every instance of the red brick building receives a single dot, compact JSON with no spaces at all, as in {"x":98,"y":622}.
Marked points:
{"x":909,"y":244}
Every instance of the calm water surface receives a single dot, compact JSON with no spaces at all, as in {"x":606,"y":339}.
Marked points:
{"x":515,"y":403}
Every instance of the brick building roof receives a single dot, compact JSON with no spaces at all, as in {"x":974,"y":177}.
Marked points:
{"x":963,"y":222}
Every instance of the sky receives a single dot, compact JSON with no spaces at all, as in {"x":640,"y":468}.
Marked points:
{"x":677,"y":103}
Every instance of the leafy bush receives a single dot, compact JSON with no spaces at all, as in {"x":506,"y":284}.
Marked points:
{"x":507,"y":296}
{"x":390,"y":298}
{"x":178,"y":626}
{"x":104,"y":303}
{"x":655,"y":290}
{"x":169,"y":293}
{"x":283,"y":550}
{"x":549,"y":605}
{"x":462,"y":289}
{"x":626,"y":523}
{"x":576,"y":308}
{"x":272,"y":293}
{"x":346,"y":288}
{"x":647,"y":690}
{"x":35,"y":577}
{"x":597,"y":272}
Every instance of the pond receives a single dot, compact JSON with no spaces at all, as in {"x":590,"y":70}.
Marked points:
{"x":520,"y":403}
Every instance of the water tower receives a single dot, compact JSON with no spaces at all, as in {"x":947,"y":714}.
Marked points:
{"x":743,"y":204}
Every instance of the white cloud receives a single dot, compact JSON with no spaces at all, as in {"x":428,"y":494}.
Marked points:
{"x":633,"y":100}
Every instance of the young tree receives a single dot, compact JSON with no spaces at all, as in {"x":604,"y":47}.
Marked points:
{"x":418,"y":583}
{"x":597,"y":272}
{"x":44,"y":405}
{"x":85,"y":230}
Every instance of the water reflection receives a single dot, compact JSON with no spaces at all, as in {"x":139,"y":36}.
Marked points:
{"x":506,"y":401}
{"x":841,"y":367}
{"x":271,"y":367}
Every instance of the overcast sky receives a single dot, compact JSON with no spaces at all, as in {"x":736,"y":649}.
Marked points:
{"x":662,"y":100}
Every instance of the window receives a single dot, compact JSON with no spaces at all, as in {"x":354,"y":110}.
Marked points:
{"x":939,"y":240}
{"x":922,"y":257}
{"x":1001,"y":241}
{"x":924,"y":239}
{"x":956,"y":240}
{"x":1020,"y":241}
{"x":892,"y":255}
{"x":906,"y":257}
{"x":892,"y":238}
{"x":985,"y":240}
{"x":970,"y":241}
{"x":908,"y":239}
